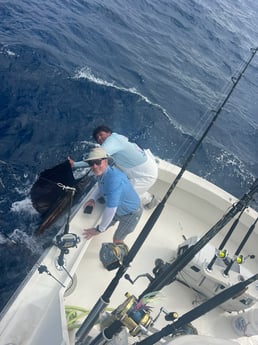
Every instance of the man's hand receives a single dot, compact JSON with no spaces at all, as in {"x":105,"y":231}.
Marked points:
{"x":89,"y":202}
{"x":89,"y":233}
{"x":70,"y":161}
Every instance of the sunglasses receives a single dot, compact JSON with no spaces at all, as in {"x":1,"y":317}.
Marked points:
{"x":95,"y":161}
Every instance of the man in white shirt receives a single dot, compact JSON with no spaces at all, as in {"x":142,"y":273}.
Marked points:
{"x":138,"y":164}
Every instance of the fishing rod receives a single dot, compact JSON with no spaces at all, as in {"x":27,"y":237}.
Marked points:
{"x":224,"y":241}
{"x":66,"y":240}
{"x":170,"y":271}
{"x":235,"y":81}
{"x":108,"y":333}
{"x":238,"y":251}
{"x":71,"y":190}
{"x":204,"y":308}
{"x":103,"y":301}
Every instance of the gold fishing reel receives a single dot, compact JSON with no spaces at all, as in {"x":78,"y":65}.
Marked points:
{"x":134,"y":315}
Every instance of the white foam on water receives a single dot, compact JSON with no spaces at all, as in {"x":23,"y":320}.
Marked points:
{"x":86,"y":73}
{"x":3,"y":239}
{"x":21,"y":238}
{"x":24,"y":206}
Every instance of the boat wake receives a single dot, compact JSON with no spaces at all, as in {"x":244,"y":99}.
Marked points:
{"x":86,"y":73}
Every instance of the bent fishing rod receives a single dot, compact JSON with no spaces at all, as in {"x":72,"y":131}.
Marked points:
{"x":103,"y":301}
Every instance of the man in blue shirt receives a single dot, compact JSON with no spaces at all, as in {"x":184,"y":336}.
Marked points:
{"x":138,"y":164}
{"x":122,"y":203}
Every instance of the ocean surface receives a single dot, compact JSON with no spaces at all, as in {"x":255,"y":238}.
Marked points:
{"x":153,"y":70}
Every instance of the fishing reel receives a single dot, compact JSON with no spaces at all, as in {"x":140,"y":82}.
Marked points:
{"x":169,"y":316}
{"x":66,"y":241}
{"x":134,"y":315}
{"x":159,"y":267}
{"x":112,"y":255}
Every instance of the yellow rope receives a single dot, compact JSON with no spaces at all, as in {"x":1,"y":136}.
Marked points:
{"x":74,"y":313}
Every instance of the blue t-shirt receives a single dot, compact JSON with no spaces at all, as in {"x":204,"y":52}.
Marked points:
{"x":118,"y":191}
{"x":124,"y":153}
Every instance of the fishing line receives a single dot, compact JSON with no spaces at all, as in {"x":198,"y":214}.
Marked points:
{"x":214,"y":118}
{"x":209,"y":114}
{"x":103,"y":301}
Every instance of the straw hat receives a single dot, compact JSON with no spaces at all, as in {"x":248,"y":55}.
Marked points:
{"x":96,"y":153}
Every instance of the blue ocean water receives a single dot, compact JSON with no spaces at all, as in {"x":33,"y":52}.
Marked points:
{"x":152,"y":70}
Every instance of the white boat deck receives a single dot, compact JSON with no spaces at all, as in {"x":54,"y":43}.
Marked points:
{"x":192,"y":209}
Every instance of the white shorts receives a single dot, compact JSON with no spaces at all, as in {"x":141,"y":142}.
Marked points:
{"x":143,"y":176}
